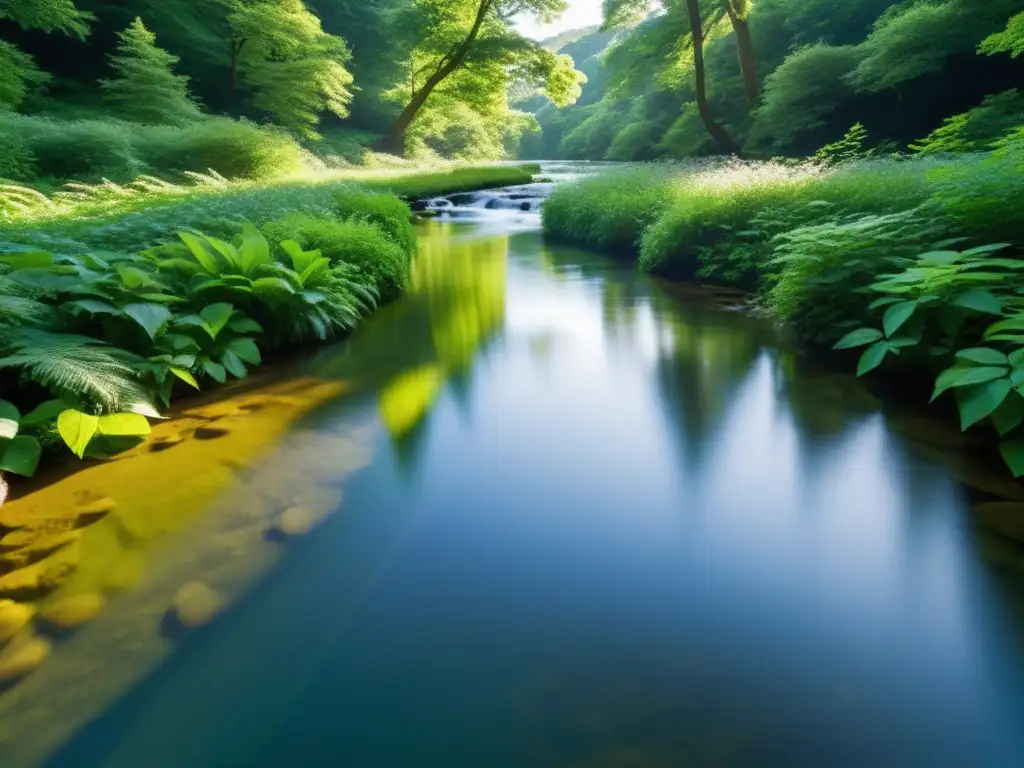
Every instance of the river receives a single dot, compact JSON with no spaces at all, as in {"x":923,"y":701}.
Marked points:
{"x":601,"y":521}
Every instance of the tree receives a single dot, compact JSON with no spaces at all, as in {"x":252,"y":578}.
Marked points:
{"x":47,"y":15}
{"x":295,"y":69}
{"x":620,"y":12}
{"x":18,"y":75}
{"x":450,"y":36}
{"x":739,"y":13}
{"x":146,"y":89}
{"x":1010,"y":40}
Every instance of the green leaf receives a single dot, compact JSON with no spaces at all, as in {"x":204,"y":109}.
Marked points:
{"x":983,"y":249}
{"x":859,"y":338}
{"x":1015,"y":323}
{"x":980,"y":300}
{"x":966,"y":377}
{"x":247,"y":350}
{"x":896,"y":315}
{"x":883,"y":302}
{"x":185,"y":376}
{"x":152,"y":317}
{"x":123,"y":425}
{"x":245,"y":325}
{"x":94,"y":307}
{"x":940,"y":258}
{"x":201,"y":251}
{"x":977,"y":403}
{"x":27,"y":260}
{"x":21,"y":455}
{"x":216,"y":316}
{"x":215,"y":370}
{"x":10,"y":418}
{"x":254,"y":251}
{"x":1008,"y":416}
{"x":872,"y":357}
{"x":1016,"y":357}
{"x":44,"y":412}
{"x":233,"y":364}
{"x":1013,"y":455}
{"x":77,"y":429}
{"x":983,"y":356}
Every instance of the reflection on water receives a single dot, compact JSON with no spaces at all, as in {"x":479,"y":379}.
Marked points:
{"x":606,"y":524}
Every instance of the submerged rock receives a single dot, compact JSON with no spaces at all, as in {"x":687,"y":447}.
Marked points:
{"x":14,"y":617}
{"x":39,"y":578}
{"x":296,"y":521}
{"x":21,"y":656}
{"x":72,"y":611}
{"x":37,"y":544}
{"x":195,"y":604}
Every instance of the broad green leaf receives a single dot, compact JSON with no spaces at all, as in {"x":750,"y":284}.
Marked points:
{"x":227,"y":251}
{"x":77,"y":429}
{"x":1016,"y":357}
{"x":872,"y":357}
{"x":20,"y":455}
{"x":979,"y":300}
{"x":216,"y":317}
{"x":214,"y":370}
{"x":983,"y":356}
{"x":1008,"y":416}
{"x":982,"y":249}
{"x":185,"y":376}
{"x":1017,"y":376}
{"x":254,"y":250}
{"x":1013,"y":455}
{"x":896,"y":315}
{"x":10,"y":418}
{"x":202,"y":253}
{"x":152,"y":317}
{"x":966,"y":377}
{"x":1015,"y":323}
{"x":246,"y":349}
{"x":123,"y":425}
{"x":94,"y":307}
{"x":977,"y":403}
{"x":902,"y":342}
{"x":940,"y":258}
{"x":883,"y":302}
{"x":179,"y":341}
{"x":44,"y":412}
{"x":233,"y":364}
{"x":27,"y":260}
{"x":859,"y":338}
{"x":245,"y":325}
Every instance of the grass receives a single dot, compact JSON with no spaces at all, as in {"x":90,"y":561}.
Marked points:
{"x":132,"y":217}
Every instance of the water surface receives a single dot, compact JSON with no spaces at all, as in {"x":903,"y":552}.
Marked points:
{"x":606,"y":523}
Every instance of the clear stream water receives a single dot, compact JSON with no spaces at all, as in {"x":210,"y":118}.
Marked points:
{"x":606,"y":522}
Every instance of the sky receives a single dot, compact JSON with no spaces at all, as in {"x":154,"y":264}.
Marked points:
{"x":581,"y":13}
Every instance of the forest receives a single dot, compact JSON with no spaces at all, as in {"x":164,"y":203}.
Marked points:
{"x":188,"y":185}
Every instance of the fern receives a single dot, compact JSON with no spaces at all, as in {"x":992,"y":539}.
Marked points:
{"x":79,"y":367}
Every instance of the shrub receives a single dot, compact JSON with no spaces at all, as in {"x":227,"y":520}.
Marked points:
{"x":74,"y":149}
{"x":234,"y":148}
{"x":373,"y":258}
{"x":389,"y":213}
{"x":977,"y":129}
{"x":611,"y":210}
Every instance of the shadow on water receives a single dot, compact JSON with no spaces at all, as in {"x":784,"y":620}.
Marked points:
{"x":606,"y":524}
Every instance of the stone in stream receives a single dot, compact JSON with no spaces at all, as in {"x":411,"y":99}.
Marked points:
{"x":21,"y":656}
{"x":44,"y":576}
{"x":295,"y":521}
{"x":14,"y":617}
{"x":35,"y":544}
{"x":195,"y":604}
{"x":72,"y":611}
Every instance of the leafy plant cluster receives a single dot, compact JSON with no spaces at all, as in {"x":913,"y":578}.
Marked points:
{"x":108,"y":334}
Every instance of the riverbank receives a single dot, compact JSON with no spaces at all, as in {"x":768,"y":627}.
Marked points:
{"x":107,"y":309}
{"x":916,"y":258}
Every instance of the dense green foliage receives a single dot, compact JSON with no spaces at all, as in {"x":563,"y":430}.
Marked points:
{"x":898,"y":67}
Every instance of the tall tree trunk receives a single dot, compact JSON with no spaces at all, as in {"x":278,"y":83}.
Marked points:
{"x":718,"y":133}
{"x":394,"y":142}
{"x":236,"y":51}
{"x":745,"y":49}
